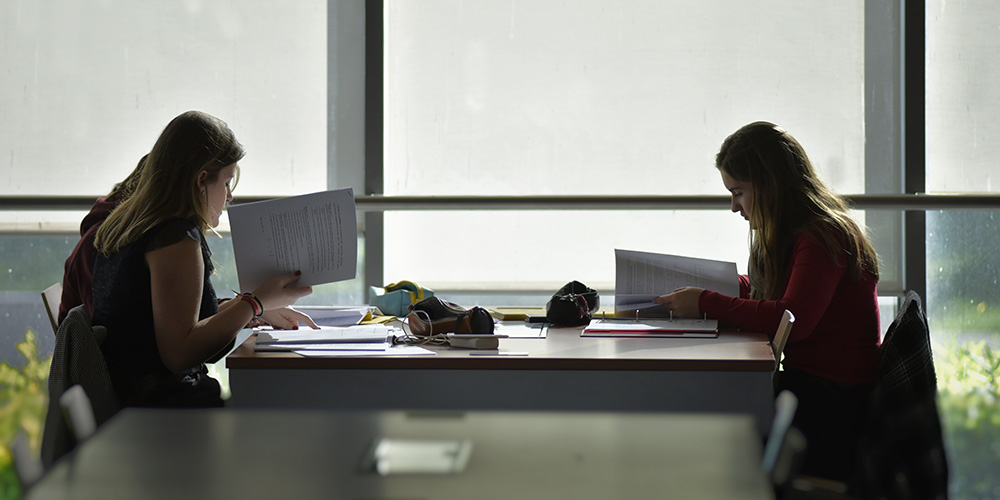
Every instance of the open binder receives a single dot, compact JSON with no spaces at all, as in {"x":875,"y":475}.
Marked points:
{"x":649,"y":327}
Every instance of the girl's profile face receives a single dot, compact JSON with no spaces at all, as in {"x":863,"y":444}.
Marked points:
{"x":218,"y":194}
{"x":742,"y":196}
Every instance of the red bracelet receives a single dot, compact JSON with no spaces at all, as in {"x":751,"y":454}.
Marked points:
{"x":255,"y":304}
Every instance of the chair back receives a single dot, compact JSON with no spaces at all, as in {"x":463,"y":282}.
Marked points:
{"x":28,"y":467}
{"x":78,"y":412}
{"x":774,"y":466}
{"x":781,"y":336}
{"x":902,"y":451}
{"x":77,"y":360}
{"x":52,"y":297}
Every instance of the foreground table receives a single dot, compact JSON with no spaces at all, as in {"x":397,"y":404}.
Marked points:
{"x":731,"y":373}
{"x":228,"y":453}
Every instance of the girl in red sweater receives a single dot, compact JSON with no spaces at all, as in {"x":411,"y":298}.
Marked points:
{"x":808,"y":256}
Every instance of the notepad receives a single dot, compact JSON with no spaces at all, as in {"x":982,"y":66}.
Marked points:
{"x":667,"y":328}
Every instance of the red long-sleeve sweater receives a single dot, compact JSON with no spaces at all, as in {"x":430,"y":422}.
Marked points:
{"x":836,"y":330}
{"x":79,"y":268}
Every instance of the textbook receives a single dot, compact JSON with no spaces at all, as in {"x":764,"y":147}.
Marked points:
{"x":313,"y":233}
{"x":642,"y":276}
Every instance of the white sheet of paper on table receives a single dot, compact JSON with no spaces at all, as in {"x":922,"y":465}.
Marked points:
{"x":409,"y":350}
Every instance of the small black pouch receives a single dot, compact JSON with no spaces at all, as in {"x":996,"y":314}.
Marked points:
{"x":572,"y":305}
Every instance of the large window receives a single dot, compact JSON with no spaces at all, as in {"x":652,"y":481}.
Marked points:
{"x":599,"y":98}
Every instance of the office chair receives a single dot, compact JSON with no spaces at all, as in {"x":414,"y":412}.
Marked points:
{"x":77,"y":360}
{"x":902,"y":451}
{"x":781,"y":337}
{"x":51,"y":298}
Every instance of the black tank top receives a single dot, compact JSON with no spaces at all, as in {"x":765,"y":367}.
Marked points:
{"x":123,"y":304}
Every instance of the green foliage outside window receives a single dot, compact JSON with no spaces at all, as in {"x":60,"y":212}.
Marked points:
{"x":969,"y":400}
{"x":24,"y":399}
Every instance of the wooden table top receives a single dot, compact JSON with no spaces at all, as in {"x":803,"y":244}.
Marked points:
{"x":562,"y":349}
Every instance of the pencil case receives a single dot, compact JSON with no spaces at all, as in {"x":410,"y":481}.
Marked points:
{"x":572,"y":305}
{"x":396,"y":298}
{"x":433,"y":315}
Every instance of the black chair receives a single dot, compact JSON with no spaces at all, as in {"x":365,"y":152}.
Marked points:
{"x":902,"y":452}
{"x":77,"y":360}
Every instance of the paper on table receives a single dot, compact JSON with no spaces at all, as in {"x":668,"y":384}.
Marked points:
{"x":653,"y":325}
{"x":640,"y":276}
{"x":335,"y":315}
{"x":335,"y":346}
{"x":521,"y":330}
{"x":409,"y":350}
{"x":314,"y":233}
{"x":241,"y":337}
{"x":325,"y":335}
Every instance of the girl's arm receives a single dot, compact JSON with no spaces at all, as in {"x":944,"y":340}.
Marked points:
{"x":813,"y":278}
{"x":685,"y":302}
{"x":176,"y":275}
{"x":176,"y":278}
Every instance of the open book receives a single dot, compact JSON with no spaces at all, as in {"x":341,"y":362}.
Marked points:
{"x":642,"y":276}
{"x":314,"y":233}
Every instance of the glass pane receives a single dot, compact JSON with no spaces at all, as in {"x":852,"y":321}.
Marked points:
{"x":963,"y":311}
{"x":502,"y":97}
{"x":963,"y":100}
{"x":88,"y":88}
{"x":31,"y":263}
{"x":532,"y":250}
{"x":633,"y":97}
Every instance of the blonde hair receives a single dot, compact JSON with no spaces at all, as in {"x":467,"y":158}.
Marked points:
{"x":191,"y":143}
{"x":790,"y":199}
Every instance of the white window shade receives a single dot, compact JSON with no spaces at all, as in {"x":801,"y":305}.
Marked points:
{"x":624,"y":98}
{"x":88,"y":87}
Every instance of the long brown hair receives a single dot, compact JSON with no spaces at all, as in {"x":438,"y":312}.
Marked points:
{"x":789,"y":199}
{"x":126,"y":187}
{"x":191,"y":143}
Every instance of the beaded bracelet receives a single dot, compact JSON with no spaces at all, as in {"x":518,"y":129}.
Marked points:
{"x":254,"y":302}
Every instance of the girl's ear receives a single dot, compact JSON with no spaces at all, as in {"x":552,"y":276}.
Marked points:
{"x":201,"y":181}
